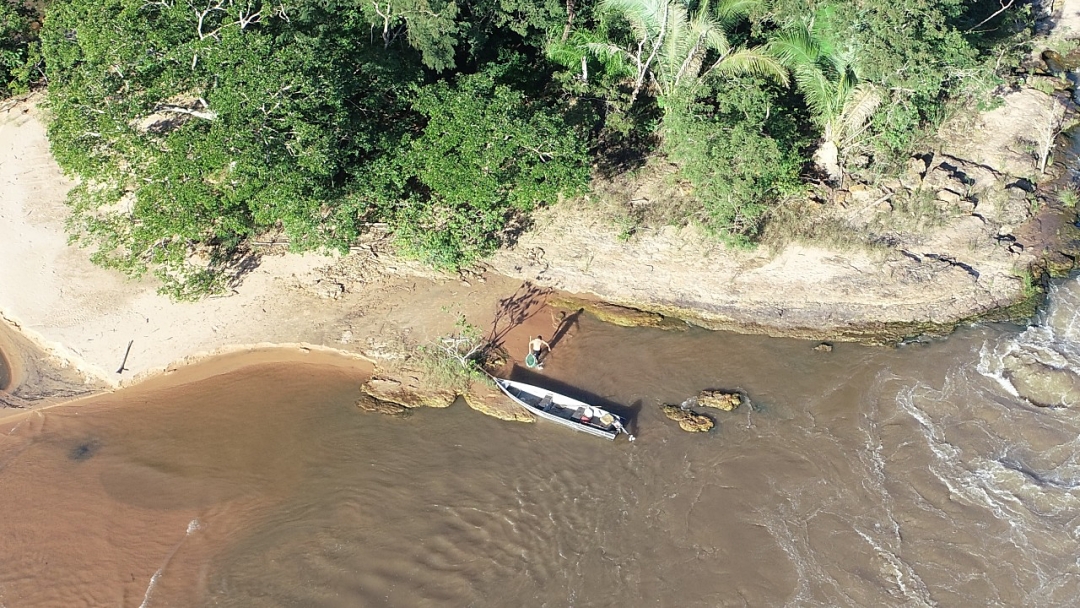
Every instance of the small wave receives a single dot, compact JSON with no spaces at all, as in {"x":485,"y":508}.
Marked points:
{"x":192,"y":526}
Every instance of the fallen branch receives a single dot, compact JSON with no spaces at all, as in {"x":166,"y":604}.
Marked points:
{"x":207,"y":115}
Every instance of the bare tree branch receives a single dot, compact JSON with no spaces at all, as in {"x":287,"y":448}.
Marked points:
{"x":1004,"y":7}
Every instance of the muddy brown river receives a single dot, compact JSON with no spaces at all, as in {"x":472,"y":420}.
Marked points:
{"x":914,"y":476}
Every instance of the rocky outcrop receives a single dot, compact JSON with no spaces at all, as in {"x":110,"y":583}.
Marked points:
{"x":368,"y":403}
{"x":719,"y":400}
{"x":409,"y":393}
{"x":489,"y":400}
{"x":689,"y":421}
{"x":397,"y":391}
{"x":1014,"y":139}
{"x":623,"y":316}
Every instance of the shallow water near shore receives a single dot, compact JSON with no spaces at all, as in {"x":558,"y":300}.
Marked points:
{"x":862,"y":476}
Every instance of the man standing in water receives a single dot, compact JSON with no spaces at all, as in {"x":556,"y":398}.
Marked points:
{"x":535,"y":346}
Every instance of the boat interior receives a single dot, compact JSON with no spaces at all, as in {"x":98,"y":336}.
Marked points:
{"x":590,"y":415}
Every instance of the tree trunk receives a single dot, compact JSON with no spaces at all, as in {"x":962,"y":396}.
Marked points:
{"x":827,"y":159}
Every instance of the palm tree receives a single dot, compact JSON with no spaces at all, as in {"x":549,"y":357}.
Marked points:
{"x":840,"y":104}
{"x":671,"y":42}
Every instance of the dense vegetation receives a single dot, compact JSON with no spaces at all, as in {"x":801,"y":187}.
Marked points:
{"x":197,"y":125}
{"x":20,"y":53}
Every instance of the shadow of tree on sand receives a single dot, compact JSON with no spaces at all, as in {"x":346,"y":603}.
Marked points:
{"x":515,"y":310}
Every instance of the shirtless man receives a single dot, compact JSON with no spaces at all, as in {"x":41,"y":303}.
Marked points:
{"x":535,"y":347}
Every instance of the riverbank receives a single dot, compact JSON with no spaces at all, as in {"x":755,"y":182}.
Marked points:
{"x":956,"y":257}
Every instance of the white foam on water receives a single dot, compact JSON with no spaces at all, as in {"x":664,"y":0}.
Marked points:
{"x":901,"y":572}
{"x":1020,"y":464}
{"x":192,"y":526}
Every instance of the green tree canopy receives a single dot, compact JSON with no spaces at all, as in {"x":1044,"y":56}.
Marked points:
{"x":488,"y":155}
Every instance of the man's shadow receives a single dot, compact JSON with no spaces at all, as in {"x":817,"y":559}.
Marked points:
{"x":567,"y":321}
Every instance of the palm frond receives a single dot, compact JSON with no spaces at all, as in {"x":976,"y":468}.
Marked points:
{"x":614,"y":59}
{"x":750,"y":61}
{"x":795,"y":48}
{"x":819,"y":93}
{"x":858,"y":109}
{"x":730,"y":10}
{"x":569,"y":52}
{"x":643,"y":16}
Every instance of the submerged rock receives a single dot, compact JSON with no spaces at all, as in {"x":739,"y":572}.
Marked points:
{"x":1042,"y":384}
{"x":719,"y":400}
{"x":689,"y":421}
{"x":824,"y":347}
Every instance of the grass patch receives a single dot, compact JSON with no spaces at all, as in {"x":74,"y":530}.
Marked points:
{"x":453,"y":362}
{"x":799,"y":220}
{"x":1068,"y":197}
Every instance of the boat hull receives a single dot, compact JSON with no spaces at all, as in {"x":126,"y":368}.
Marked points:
{"x":563,"y":410}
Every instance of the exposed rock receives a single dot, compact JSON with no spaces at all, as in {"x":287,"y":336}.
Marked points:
{"x":689,"y":421}
{"x":1003,"y":139}
{"x":824,"y":347}
{"x":328,"y":289}
{"x":948,"y":196}
{"x":1047,"y":83}
{"x":489,"y":400}
{"x":719,"y":400}
{"x":860,"y":193}
{"x":913,"y":176}
{"x":891,"y":183}
{"x":823,"y":289}
{"x":943,"y":179}
{"x":411,"y":394}
{"x":378,"y":406}
{"x":916,"y":166}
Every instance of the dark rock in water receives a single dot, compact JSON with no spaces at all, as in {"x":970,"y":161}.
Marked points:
{"x":719,"y":400}
{"x":824,"y":347}
{"x":689,"y":421}
{"x":85,"y":450}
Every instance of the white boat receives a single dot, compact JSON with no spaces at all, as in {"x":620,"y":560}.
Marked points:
{"x":563,"y":410}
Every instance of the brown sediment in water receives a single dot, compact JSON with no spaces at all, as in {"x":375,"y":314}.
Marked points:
{"x":158,"y":476}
